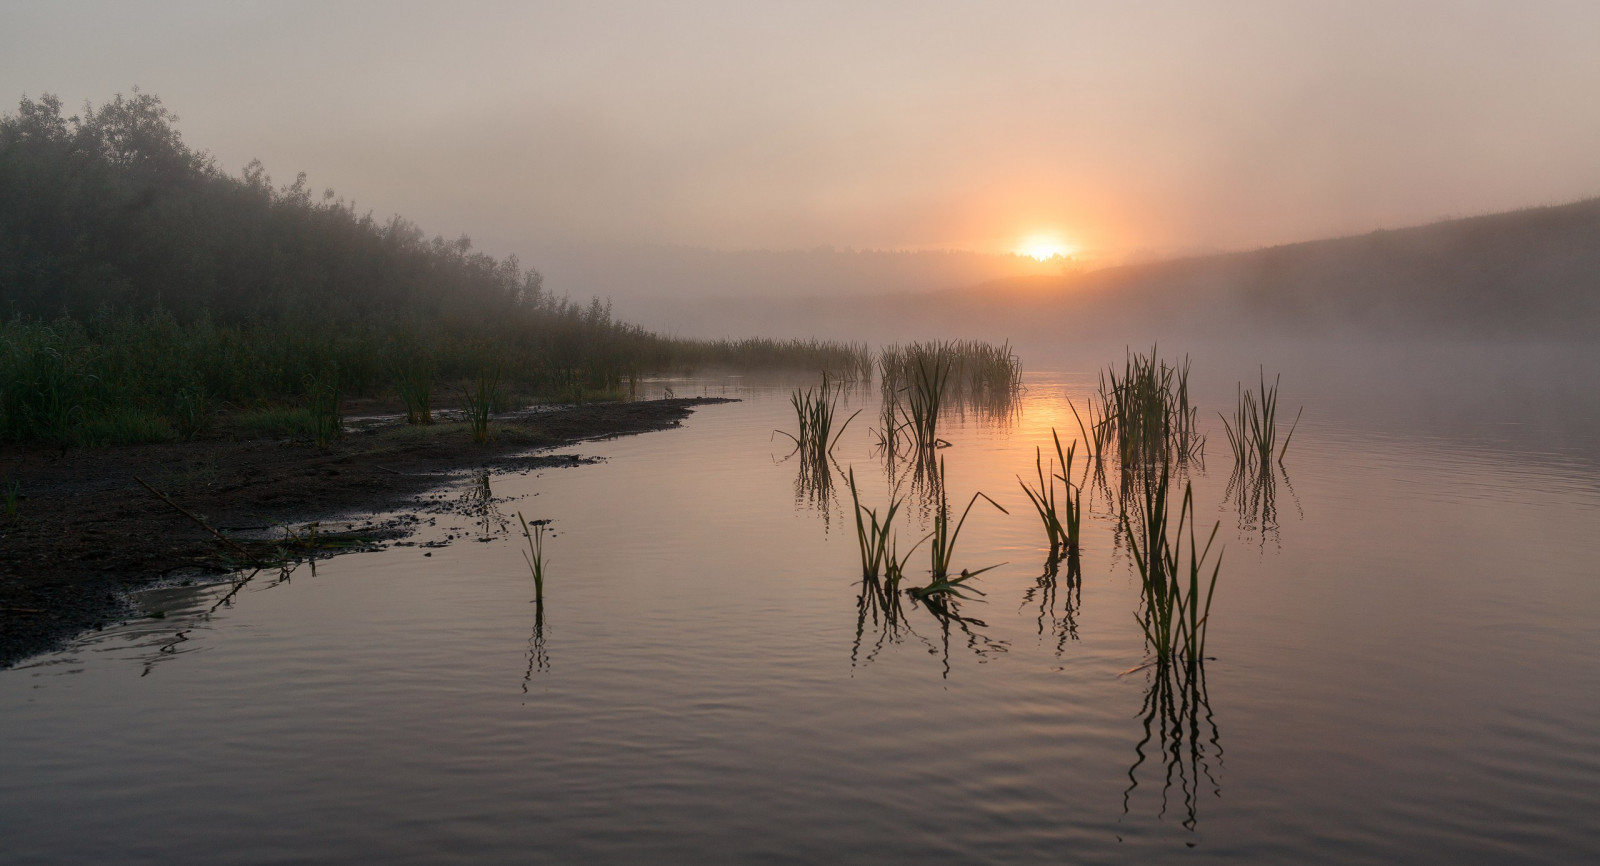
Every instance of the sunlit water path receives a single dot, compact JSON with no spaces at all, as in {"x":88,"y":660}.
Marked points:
{"x":1406,"y":643}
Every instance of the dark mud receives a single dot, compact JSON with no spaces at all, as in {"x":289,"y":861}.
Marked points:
{"x":86,"y":531}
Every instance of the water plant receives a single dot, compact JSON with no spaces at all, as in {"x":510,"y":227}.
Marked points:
{"x":1253,"y":433}
{"x":1147,"y":413}
{"x":921,"y":381}
{"x":481,"y":400}
{"x":1176,"y":610}
{"x":1062,"y":524}
{"x":534,"y":555}
{"x":942,"y":545}
{"x":1095,"y":434}
{"x":322,"y":404}
{"x":874,"y":536}
{"x":414,"y":369}
{"x":12,"y":490}
{"x":814,"y":410}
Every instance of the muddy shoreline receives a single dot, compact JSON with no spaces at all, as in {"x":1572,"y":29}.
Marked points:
{"x":86,"y":531}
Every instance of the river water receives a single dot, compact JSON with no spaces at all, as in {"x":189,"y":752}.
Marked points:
{"x":1404,"y":643}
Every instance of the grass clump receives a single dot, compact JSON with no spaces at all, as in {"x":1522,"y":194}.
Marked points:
{"x":922,"y":380}
{"x":322,"y":408}
{"x":880,"y":562}
{"x":1177,"y":600}
{"x":414,"y":369}
{"x":1253,"y":433}
{"x":1146,"y":412}
{"x":942,"y":545}
{"x":11,"y":491}
{"x":534,"y":555}
{"x":1063,"y":524}
{"x":482,"y":400}
{"x":814,"y":412}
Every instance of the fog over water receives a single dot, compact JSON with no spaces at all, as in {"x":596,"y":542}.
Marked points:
{"x":616,"y":146}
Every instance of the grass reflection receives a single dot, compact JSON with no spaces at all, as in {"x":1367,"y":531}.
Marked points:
{"x":1180,"y":727}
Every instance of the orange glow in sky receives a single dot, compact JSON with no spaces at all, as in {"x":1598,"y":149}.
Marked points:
{"x":1044,"y":247}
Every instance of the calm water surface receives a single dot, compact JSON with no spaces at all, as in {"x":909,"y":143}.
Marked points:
{"x":1406,"y":642}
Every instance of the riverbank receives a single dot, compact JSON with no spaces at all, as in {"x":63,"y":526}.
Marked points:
{"x":86,"y":532}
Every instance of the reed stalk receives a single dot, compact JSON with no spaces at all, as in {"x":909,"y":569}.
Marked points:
{"x":327,"y":422}
{"x":534,"y":555}
{"x":1177,"y":612}
{"x":942,"y":544}
{"x":481,"y":400}
{"x":814,"y":411}
{"x":1062,"y":525}
{"x":1253,"y":433}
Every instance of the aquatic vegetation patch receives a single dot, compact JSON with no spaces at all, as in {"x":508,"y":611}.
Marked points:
{"x":1063,"y":524}
{"x":481,"y":400}
{"x":1253,"y":433}
{"x":1146,"y":412}
{"x":1177,"y":600}
{"x":814,"y":410}
{"x":534,"y":555}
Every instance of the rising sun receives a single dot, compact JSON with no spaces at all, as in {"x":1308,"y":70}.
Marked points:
{"x":1044,"y":247}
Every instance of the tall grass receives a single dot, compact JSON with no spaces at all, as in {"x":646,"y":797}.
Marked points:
{"x":880,"y":560}
{"x":327,"y":421}
{"x":1177,"y":599}
{"x":966,"y":374}
{"x":942,"y":546}
{"x":1063,"y":524}
{"x":814,"y":410}
{"x":1253,"y":433}
{"x":977,"y":370}
{"x":1146,"y":412}
{"x":482,"y":399}
{"x":534,"y":555}
{"x":414,"y":369}
{"x":117,"y":378}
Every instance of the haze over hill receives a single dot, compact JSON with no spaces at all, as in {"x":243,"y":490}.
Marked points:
{"x":1531,"y":273}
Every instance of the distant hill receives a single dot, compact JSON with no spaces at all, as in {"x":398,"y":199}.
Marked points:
{"x":1531,"y":272}
{"x":1526,"y":274}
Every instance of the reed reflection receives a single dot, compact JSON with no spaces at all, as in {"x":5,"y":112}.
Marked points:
{"x":815,"y":487}
{"x":479,"y":502}
{"x":1252,"y":492}
{"x":538,"y":652}
{"x":1180,"y":727}
{"x":947,"y":614}
{"x":1063,"y":626}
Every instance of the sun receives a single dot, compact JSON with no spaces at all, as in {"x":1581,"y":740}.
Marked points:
{"x":1044,"y":248}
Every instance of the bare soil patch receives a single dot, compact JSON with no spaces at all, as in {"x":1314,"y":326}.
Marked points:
{"x":86,"y":532}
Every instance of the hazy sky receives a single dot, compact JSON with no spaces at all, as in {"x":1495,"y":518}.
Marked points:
{"x":1117,"y":126}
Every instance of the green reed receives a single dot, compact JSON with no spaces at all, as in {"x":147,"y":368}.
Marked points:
{"x":942,"y":545}
{"x":968,"y":374}
{"x":1062,"y":524}
{"x":322,"y":404}
{"x":814,"y":411}
{"x":873,"y":535}
{"x":1147,"y":411}
{"x":534,"y":555}
{"x":12,"y":493}
{"x":1176,"y":610}
{"x":1253,"y":433}
{"x":882,"y":565}
{"x":481,"y":401}
{"x":1096,"y":434}
{"x":414,"y":370}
